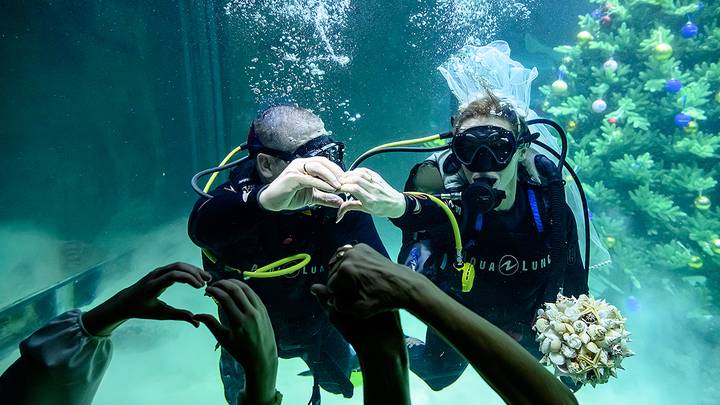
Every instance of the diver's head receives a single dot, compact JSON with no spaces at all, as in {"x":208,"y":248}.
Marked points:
{"x":282,"y":133}
{"x":490,"y":139}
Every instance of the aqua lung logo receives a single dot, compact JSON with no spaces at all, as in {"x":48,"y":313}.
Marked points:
{"x":508,"y":265}
{"x":307,"y":270}
{"x":246,"y":192}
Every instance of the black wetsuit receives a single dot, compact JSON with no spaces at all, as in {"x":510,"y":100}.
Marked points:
{"x":511,"y":254}
{"x":234,"y":228}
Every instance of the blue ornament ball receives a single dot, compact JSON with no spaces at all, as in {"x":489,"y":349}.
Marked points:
{"x":682,"y":120}
{"x":689,"y":30}
{"x":673,"y":85}
{"x":632,"y":304}
{"x":597,"y":13}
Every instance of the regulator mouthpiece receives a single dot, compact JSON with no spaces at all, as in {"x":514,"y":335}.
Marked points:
{"x":480,"y":197}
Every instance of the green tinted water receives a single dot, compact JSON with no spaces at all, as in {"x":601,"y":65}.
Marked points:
{"x":108,"y":108}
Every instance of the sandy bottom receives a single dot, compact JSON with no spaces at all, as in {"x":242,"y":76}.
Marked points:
{"x":174,"y":363}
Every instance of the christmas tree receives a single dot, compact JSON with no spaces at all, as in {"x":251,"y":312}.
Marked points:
{"x":639,"y":95}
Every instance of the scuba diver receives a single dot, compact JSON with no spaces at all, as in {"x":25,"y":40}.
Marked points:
{"x":280,"y":202}
{"x":506,"y":224}
{"x":512,"y":220}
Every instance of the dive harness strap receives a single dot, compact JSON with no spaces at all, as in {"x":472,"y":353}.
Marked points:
{"x":558,"y":231}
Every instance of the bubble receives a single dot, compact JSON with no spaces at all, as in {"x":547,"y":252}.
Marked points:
{"x":461,"y":20}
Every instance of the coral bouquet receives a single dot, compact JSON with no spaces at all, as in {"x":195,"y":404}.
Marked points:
{"x":582,"y":338}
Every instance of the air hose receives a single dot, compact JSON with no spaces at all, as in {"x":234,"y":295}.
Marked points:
{"x":398,"y":146}
{"x":467,"y":268}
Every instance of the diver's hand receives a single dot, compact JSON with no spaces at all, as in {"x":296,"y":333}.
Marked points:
{"x":373,"y":195}
{"x":304,"y":182}
{"x":140,"y":300}
{"x":362,"y":282}
{"x":249,"y":336}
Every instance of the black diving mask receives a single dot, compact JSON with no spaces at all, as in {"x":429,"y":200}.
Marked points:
{"x":321,"y":146}
{"x":484,"y":148}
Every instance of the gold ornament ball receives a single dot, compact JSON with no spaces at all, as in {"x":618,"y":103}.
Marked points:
{"x":715,"y":246}
{"x":571,"y":126}
{"x":567,"y":60}
{"x":584,"y":37}
{"x":546,"y":104}
{"x":663,"y":51}
{"x":695,"y":262}
{"x":691,"y":127}
{"x":702,"y":203}
{"x":559,"y":87}
{"x":610,"y":242}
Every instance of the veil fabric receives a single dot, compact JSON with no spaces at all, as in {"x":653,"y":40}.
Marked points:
{"x":473,"y":69}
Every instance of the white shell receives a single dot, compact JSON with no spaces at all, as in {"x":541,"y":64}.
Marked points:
{"x":557,"y":358}
{"x":603,"y":357}
{"x":592,"y":347}
{"x":596,"y":332}
{"x":579,"y":326}
{"x":545,"y":346}
{"x":541,"y":325}
{"x":553,"y":314}
{"x":572,"y":313}
{"x":568,"y":352}
{"x":612,"y":338}
{"x":555,"y":345}
{"x":574,"y":342}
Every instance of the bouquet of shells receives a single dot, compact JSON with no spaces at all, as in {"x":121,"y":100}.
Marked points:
{"x":582,"y":338}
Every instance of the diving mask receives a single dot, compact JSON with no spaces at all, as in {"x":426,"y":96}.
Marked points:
{"x":484,"y":148}
{"x":321,"y":146}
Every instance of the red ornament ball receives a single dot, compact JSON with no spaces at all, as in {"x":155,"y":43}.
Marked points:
{"x":612,"y":120}
{"x":606,"y":20}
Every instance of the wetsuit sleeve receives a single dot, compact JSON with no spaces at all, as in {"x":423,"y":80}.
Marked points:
{"x":214,"y":222}
{"x":576,"y":278}
{"x":358,"y":227}
{"x":420,"y":214}
{"x":60,"y":363}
